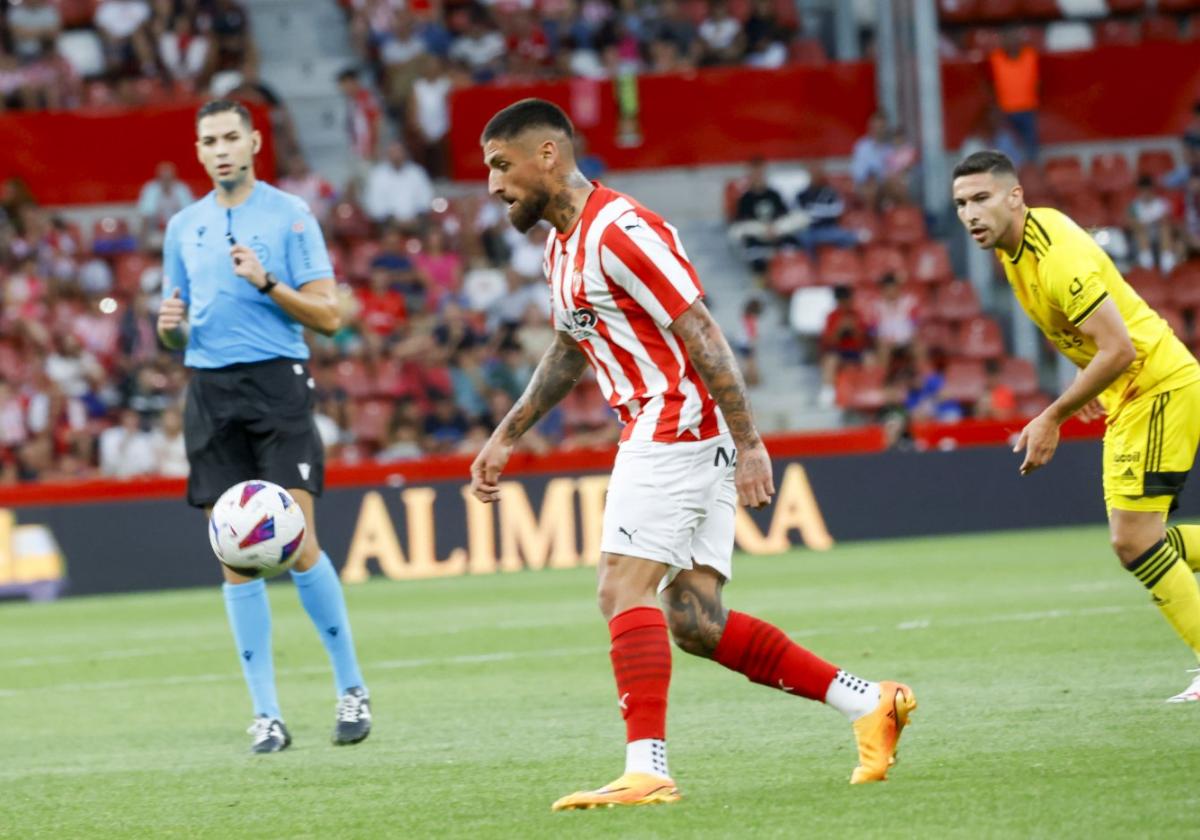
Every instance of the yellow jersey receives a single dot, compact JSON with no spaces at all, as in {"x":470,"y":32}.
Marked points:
{"x":1060,"y":276}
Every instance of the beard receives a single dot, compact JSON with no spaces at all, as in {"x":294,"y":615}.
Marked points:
{"x":525,"y":214}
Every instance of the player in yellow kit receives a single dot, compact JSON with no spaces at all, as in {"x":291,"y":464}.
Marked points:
{"x":1132,"y":367}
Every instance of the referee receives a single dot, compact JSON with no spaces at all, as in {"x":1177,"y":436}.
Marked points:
{"x":245,"y":270}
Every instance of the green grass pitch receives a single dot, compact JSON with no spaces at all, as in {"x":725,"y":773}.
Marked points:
{"x":1040,"y":668}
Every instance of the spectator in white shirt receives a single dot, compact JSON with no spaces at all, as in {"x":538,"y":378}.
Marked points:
{"x":159,"y":200}
{"x":721,"y":35}
{"x":429,"y":116}
{"x":122,"y":25}
{"x":397,"y":189}
{"x":125,"y":450}
{"x":33,"y":26}
{"x":481,"y":48}
{"x":170,"y":454}
{"x":70,"y":367}
{"x":185,"y":53}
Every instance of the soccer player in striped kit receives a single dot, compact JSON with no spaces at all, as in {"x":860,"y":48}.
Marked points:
{"x":627,"y":301}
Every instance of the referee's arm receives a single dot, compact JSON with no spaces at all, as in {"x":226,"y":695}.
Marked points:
{"x":172,"y":324}
{"x":314,"y":304}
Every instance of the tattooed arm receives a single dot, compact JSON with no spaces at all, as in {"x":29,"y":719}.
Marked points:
{"x":714,"y":361}
{"x":556,"y":374}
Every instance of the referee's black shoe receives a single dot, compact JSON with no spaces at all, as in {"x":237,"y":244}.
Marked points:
{"x":353,"y":717}
{"x":270,"y":735}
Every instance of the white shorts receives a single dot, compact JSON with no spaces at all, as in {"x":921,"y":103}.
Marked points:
{"x":673,"y":503}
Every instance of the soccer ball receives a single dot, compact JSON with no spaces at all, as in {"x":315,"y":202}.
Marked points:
{"x":257,"y":529}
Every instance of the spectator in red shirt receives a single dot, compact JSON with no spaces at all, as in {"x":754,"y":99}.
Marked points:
{"x":381,"y":307}
{"x":845,"y":339}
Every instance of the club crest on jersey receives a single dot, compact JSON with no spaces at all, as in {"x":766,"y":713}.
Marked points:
{"x":583,"y":323}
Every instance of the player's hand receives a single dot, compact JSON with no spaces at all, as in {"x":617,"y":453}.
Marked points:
{"x":246,"y":265}
{"x":486,"y":469}
{"x":752,"y":476}
{"x":1039,"y":439}
{"x":1092,"y":411}
{"x":171,"y":313}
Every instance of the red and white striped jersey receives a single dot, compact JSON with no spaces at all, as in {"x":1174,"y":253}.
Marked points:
{"x":618,"y":278}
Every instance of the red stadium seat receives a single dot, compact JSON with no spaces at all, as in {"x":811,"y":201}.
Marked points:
{"x":1041,"y":9}
{"x":1160,"y":28}
{"x":929,"y":262}
{"x":77,"y":13}
{"x":904,"y":225}
{"x":785,"y":14}
{"x":958,"y":11}
{"x":936,"y":335}
{"x":740,"y":9}
{"x":1151,"y":286}
{"x":862,"y":388}
{"x":1000,"y":10}
{"x":956,"y":301}
{"x":1155,"y":162}
{"x":965,"y":381}
{"x":1020,"y":375}
{"x":1118,"y":206}
{"x":350,"y":375}
{"x":1184,"y":283}
{"x":1118,"y":33}
{"x":1065,"y":176}
{"x":1178,"y":6}
{"x":372,"y":421}
{"x":881,"y":259}
{"x":789,"y":271}
{"x":1175,"y":321}
{"x":808,"y":51}
{"x":980,"y":338}
{"x":1126,"y":7}
{"x":1111,"y":172}
{"x":733,"y":191}
{"x":839,"y":267}
{"x":865,"y":223}
{"x":1086,"y":209}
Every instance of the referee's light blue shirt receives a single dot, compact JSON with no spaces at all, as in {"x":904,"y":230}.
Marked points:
{"x":231,"y":322}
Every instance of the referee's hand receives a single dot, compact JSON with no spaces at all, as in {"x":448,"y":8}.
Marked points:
{"x":485,"y":471}
{"x":171,"y":313}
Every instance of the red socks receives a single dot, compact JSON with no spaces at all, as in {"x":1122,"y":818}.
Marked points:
{"x":641,"y":659}
{"x":768,"y":657}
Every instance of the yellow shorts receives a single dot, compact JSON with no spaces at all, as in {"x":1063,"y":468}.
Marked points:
{"x":1149,"y":448}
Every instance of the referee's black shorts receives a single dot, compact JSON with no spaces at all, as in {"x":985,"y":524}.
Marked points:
{"x":250,"y":421}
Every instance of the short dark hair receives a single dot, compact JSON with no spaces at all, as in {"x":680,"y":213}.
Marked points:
{"x":521,"y":116}
{"x":221,"y":106}
{"x":988,"y":161}
{"x":347,"y":73}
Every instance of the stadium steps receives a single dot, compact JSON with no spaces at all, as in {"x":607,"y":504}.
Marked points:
{"x":786,"y":395}
{"x":302,"y":45}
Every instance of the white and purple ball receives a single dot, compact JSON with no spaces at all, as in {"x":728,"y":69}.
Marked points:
{"x":257,"y":529}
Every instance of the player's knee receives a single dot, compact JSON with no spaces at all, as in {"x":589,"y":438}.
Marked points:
{"x":689,"y":634}
{"x":1128,"y":547}
{"x":689,"y":639}
{"x":309,"y":555}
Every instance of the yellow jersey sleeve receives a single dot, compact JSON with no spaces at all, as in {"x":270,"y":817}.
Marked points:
{"x":1072,"y":278}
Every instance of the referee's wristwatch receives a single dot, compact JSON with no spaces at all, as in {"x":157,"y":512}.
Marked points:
{"x":272,"y":282}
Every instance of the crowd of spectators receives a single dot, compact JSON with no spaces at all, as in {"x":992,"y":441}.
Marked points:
{"x":445,"y":317}
{"x":56,"y":54}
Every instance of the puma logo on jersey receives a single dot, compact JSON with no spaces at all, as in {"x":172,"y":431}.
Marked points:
{"x":628,"y":534}
{"x":305,"y":470}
